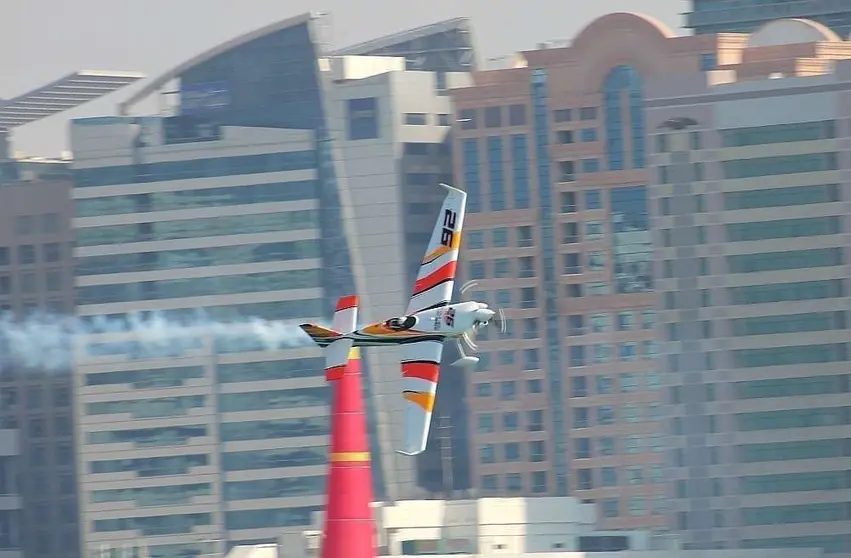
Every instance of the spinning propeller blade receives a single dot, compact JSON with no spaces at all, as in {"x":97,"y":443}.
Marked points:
{"x":469,"y":339}
{"x":499,"y":320}
{"x":467,"y":286}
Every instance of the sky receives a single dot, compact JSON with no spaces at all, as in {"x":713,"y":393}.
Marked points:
{"x":43,"y":40}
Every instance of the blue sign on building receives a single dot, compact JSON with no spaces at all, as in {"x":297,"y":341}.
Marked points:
{"x":203,"y":97}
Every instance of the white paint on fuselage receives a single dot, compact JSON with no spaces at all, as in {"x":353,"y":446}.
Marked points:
{"x":449,"y":322}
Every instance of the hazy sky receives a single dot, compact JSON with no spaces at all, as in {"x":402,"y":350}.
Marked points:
{"x":45,"y":39}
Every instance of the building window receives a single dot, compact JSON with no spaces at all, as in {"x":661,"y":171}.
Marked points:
{"x":520,"y":162}
{"x":588,"y":113}
{"x":50,"y":223}
{"x":524,"y":236}
{"x":52,"y":252}
{"x":416,"y":119}
{"x":493,"y":117}
{"x":568,"y":202}
{"x":472,"y":174}
{"x":588,"y":134}
{"x":496,"y":173}
{"x":590,"y":165}
{"x":363,"y":118}
{"x":517,"y":115}
{"x":562,"y":115}
{"x":26,"y":254}
{"x":567,"y":171}
{"x":708,"y":61}
{"x":24,"y":224}
{"x":593,"y":199}
{"x":624,"y":79}
{"x":564,"y":137}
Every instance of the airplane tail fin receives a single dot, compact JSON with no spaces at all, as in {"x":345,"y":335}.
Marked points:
{"x":338,"y":350}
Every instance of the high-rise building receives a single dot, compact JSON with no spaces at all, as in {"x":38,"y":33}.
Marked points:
{"x":445,"y":46}
{"x":392,"y":129}
{"x":11,"y":518}
{"x":750,"y":218}
{"x":745,"y":16}
{"x":553,"y":156}
{"x":36,"y":273}
{"x":285,"y":179}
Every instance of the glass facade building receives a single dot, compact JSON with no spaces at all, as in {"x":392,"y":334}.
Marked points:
{"x":226,"y":212}
{"x":745,"y":16}
{"x":238,"y":209}
{"x":749,"y":220}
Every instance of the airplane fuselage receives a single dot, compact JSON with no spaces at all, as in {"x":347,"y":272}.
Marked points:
{"x":434,"y":324}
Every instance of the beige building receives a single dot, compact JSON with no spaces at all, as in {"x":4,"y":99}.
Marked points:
{"x":541,"y":527}
{"x":750,"y":218}
{"x":553,"y":155}
{"x":568,"y":172}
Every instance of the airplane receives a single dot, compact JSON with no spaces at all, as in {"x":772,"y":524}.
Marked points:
{"x":430,"y":319}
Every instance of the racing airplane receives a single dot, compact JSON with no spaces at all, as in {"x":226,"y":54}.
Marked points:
{"x":430,"y":319}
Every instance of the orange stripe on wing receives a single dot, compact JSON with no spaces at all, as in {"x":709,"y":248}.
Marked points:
{"x":421,"y":398}
{"x":440,"y":275}
{"x":347,"y":302}
{"x":440,"y":250}
{"x":422,"y":370}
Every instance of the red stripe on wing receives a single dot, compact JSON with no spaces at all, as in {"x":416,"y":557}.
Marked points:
{"x":422,"y":370}
{"x":445,"y":273}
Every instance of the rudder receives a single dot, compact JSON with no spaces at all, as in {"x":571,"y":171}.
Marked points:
{"x":339,"y":352}
{"x":346,"y":314}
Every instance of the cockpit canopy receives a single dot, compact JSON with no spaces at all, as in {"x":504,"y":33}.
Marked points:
{"x":401,"y":323}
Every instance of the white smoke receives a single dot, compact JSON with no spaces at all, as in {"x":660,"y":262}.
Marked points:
{"x":46,"y":342}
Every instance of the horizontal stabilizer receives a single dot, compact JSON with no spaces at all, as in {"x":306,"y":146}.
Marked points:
{"x":322,"y":336}
{"x":337,"y":356}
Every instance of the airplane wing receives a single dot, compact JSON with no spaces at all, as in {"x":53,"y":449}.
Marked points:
{"x":420,"y":371}
{"x":433,"y":288}
{"x":436,"y":277}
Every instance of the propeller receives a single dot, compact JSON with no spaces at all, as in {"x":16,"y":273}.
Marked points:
{"x":469,"y":337}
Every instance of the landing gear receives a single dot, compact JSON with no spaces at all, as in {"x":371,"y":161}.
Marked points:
{"x":465,"y":361}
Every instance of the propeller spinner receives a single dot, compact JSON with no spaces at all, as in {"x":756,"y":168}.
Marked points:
{"x":469,"y":337}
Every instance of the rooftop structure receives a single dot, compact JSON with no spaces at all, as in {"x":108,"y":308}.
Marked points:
{"x":745,"y":16}
{"x":66,"y":93}
{"x":749,"y":208}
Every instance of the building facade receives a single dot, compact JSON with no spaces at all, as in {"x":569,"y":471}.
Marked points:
{"x":12,"y":518}
{"x":284,"y":175}
{"x":553,"y":155}
{"x":37,"y":275}
{"x":737,"y":16}
{"x":750,"y":217}
{"x":392,"y":128}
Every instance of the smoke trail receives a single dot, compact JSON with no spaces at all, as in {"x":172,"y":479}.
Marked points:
{"x":46,"y":342}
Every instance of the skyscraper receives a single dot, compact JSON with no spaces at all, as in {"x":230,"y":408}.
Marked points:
{"x":750,"y":215}
{"x":260,"y":198}
{"x":36,"y":274}
{"x":737,"y":16}
{"x":553,"y":156}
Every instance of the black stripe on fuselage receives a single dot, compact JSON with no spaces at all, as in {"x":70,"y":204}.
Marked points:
{"x":433,"y":306}
{"x":421,"y":361}
{"x":379,"y":342}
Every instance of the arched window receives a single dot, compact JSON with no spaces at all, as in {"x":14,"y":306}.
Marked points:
{"x":623,"y":96}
